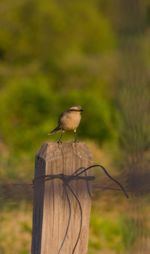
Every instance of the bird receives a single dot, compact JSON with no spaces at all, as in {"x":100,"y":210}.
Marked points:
{"x":68,"y":120}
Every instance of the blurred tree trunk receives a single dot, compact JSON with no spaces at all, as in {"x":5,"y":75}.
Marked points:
{"x":133,"y":100}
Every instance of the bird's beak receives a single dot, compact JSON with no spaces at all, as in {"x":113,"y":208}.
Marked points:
{"x":81,"y":110}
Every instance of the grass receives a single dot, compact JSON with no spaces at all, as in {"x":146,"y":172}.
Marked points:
{"x":113,"y":227}
{"x":105,"y":228}
{"x":15,"y":233}
{"x":113,"y":230}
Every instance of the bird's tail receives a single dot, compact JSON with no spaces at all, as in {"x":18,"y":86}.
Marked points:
{"x":54,"y":131}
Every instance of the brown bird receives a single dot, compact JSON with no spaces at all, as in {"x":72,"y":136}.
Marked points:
{"x":68,"y":120}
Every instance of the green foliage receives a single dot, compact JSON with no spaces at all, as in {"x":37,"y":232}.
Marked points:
{"x":23,"y":107}
{"x":50,"y":59}
{"x":130,"y":231}
{"x":106,"y":233}
{"x":29,"y":110}
{"x":48,"y":30}
{"x":97,"y":116}
{"x":55,"y":54}
{"x":119,"y":233}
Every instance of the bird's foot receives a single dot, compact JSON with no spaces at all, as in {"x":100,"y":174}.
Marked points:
{"x":76,"y":141}
{"x":59,"y":142}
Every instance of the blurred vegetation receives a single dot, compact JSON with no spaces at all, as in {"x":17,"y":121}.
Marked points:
{"x":55,"y":54}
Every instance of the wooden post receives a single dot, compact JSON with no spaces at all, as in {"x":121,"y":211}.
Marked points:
{"x":51,"y":209}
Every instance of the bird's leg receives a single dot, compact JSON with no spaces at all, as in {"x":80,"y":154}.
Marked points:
{"x":59,"y":140}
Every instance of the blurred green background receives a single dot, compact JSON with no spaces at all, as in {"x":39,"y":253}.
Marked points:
{"x":55,"y":54}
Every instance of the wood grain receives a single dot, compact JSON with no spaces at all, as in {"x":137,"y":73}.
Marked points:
{"x":50,"y":212}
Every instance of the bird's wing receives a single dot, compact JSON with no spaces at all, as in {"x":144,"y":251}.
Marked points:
{"x":60,"y":118}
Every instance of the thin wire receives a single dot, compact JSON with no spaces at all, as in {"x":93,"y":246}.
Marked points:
{"x":106,"y":188}
{"x":87,"y":183}
{"x":66,"y":179}
{"x":88,"y":186}
{"x":81,"y":156}
{"x":78,"y":170}
{"x":105,"y":171}
{"x":69,"y":219}
{"x":76,"y":176}
{"x":81,"y":216}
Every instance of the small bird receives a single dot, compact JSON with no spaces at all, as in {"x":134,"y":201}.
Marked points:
{"x":68,"y":120}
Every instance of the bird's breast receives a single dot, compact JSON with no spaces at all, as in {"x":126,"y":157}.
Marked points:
{"x":70,"y":120}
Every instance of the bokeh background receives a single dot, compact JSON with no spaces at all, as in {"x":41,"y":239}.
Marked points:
{"x":55,"y":54}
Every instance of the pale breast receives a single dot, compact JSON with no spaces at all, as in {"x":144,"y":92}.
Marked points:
{"x":70,"y":120}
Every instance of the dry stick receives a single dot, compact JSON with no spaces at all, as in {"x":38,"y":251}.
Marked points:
{"x":105,"y":171}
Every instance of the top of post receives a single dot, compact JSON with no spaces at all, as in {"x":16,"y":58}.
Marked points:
{"x":52,"y":150}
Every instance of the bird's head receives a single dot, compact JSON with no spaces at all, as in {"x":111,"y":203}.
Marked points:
{"x":76,"y":108}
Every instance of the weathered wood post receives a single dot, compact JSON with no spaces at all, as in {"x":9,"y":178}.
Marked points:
{"x":51,"y":207}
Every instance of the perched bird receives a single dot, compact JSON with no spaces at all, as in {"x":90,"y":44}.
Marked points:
{"x":68,"y":120}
